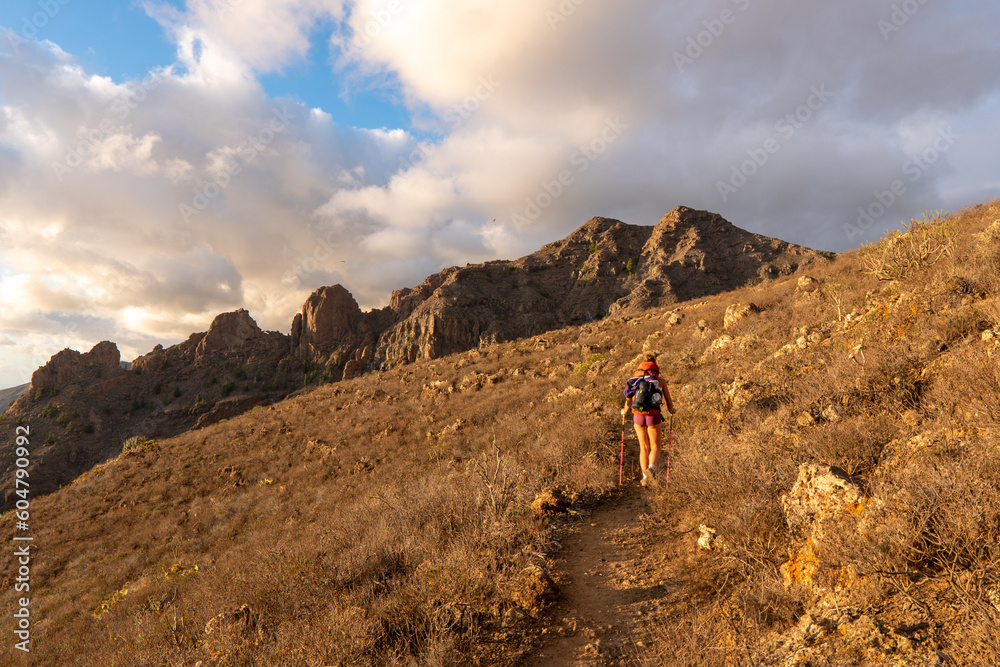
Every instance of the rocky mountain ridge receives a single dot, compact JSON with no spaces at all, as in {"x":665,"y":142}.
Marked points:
{"x":84,"y":406}
{"x":604,"y":267}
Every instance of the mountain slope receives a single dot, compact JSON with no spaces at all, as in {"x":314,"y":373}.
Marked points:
{"x":838,"y":442}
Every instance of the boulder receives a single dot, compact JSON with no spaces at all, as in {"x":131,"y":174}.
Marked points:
{"x":738,"y":312}
{"x":535,"y":589}
{"x":821,"y":498}
{"x":807,"y":285}
{"x":820,"y":493}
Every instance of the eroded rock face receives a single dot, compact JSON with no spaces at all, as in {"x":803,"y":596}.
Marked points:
{"x":69,"y":366}
{"x":228,"y":331}
{"x":330,"y":318}
{"x":820,"y":499}
{"x":606,"y":267}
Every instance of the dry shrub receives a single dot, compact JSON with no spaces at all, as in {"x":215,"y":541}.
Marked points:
{"x":899,"y":255}
{"x":745,"y":514}
{"x":930,"y":535}
{"x":967,"y":385}
{"x":854,"y":444}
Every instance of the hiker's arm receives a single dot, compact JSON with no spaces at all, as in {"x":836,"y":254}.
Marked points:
{"x":666,"y":396}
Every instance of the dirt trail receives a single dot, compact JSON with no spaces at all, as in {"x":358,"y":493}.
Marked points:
{"x":609,"y":575}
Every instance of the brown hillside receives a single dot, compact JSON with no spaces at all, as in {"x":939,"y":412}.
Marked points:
{"x":834,"y":496}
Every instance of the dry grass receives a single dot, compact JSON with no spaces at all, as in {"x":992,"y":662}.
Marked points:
{"x":385,"y":520}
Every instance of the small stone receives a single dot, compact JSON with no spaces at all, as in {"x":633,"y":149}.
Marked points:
{"x":805,"y":419}
{"x":833,"y":413}
{"x":706,"y":540}
{"x":808,"y":284}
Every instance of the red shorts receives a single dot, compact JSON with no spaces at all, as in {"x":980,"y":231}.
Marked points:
{"x":647,"y":420}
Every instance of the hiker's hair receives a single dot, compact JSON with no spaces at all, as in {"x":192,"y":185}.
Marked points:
{"x":650,"y":356}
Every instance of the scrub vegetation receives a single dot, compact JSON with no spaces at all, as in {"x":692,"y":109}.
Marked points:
{"x":386,"y":520}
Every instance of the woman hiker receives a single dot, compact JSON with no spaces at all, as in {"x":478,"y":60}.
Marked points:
{"x":647,"y":417}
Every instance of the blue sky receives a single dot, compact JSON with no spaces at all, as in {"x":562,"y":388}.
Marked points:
{"x":165,"y":161}
{"x":115,"y":39}
{"x":121,"y":41}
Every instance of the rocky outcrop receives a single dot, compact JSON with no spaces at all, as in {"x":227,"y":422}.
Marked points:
{"x":692,"y":253}
{"x":738,"y":312}
{"x":604,"y":267}
{"x":816,"y":505}
{"x":82,"y":407}
{"x":228,"y":331}
{"x":332,"y":331}
{"x":70,"y":367}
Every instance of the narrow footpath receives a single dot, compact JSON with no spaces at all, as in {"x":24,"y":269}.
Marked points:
{"x":611,"y":572}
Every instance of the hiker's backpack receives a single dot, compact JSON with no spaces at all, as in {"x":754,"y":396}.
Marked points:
{"x":648,"y":395}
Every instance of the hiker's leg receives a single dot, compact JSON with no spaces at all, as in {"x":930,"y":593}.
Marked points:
{"x":655,"y":440}
{"x":643,"y":437}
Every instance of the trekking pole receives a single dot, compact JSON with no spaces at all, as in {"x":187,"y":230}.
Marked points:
{"x":621,"y":457}
{"x":670,"y":442}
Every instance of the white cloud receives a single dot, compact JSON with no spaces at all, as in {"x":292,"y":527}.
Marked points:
{"x":193,"y":192}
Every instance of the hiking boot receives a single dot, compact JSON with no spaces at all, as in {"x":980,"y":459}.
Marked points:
{"x":651,"y":474}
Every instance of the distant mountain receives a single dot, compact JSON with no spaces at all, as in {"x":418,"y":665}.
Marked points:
{"x":604,"y":267}
{"x":8,"y":396}
{"x":81,"y":408}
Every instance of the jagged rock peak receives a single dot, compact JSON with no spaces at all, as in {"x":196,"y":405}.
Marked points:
{"x":595,"y":227}
{"x":683,"y":217}
{"x":69,"y":366}
{"x":227,"y":331}
{"x":328,"y":316}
